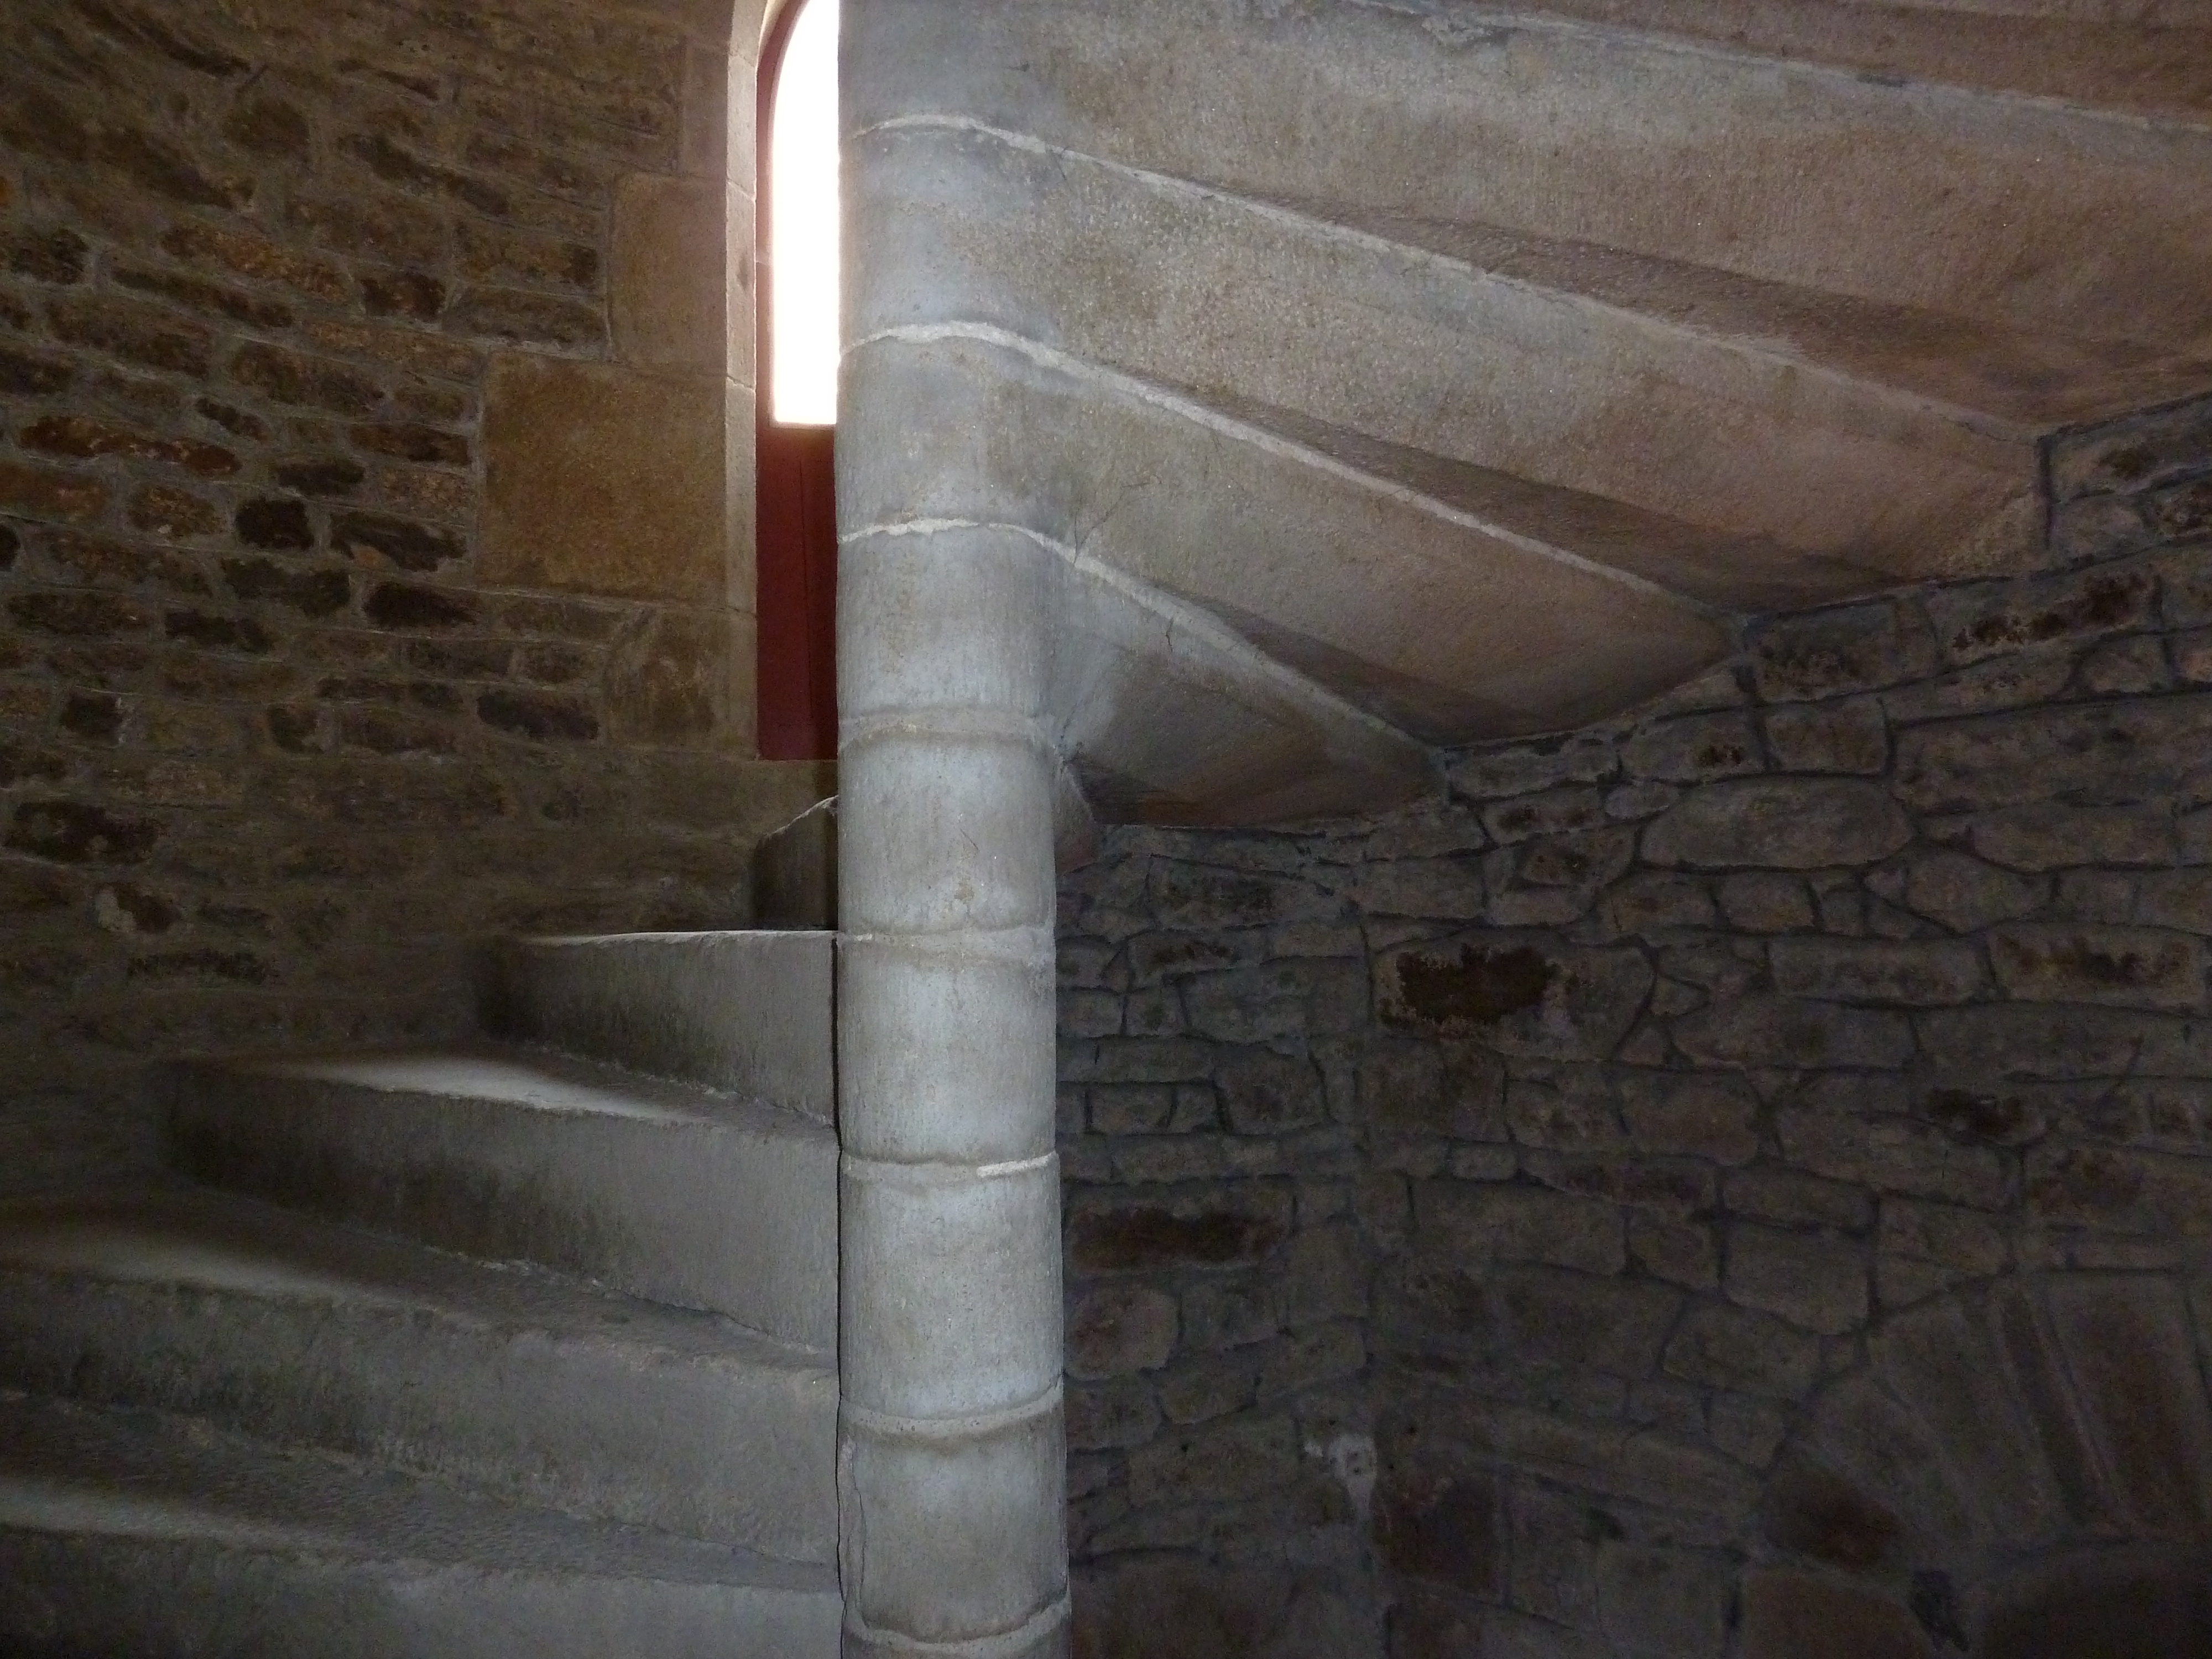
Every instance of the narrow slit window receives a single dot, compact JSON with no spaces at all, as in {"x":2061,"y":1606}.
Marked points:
{"x":795,"y":567}
{"x":803,"y":221}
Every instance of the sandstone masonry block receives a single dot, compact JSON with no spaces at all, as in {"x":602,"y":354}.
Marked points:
{"x":668,"y":287}
{"x":603,"y":480}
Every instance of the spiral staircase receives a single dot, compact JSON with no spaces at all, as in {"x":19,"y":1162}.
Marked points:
{"x":1366,"y":378}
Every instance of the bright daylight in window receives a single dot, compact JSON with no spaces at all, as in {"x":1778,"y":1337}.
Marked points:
{"x":803,"y":224}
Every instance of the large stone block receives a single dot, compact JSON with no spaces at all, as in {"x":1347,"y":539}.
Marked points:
{"x":1947,"y":1368}
{"x":1612,"y":1325}
{"x":602,"y":479}
{"x":669,"y":290}
{"x":1794,"y":823}
{"x":682,"y":677}
{"x":1810,"y":1512}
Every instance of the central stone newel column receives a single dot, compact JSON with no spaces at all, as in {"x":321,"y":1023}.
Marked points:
{"x":953,"y":1466}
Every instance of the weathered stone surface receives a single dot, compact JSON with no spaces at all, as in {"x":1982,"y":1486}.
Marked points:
{"x":1120,"y":1329}
{"x":1664,"y":1601}
{"x":2129,"y":1348}
{"x":2096,"y":754}
{"x":1694,"y":750}
{"x":2039,"y":838}
{"x":1894,"y":1154}
{"x":1482,"y":1223}
{"x":1515,"y":997}
{"x":1610,"y":1325}
{"x":1858,"y":648}
{"x":1216,"y":1462}
{"x":1844,"y":737}
{"x":1105,"y":1235}
{"x":1147,"y":1608}
{"x":1790,"y":825}
{"x":1797,"y":1615}
{"x":1764,"y":903}
{"x":1779,"y":1031}
{"x":668,"y":287}
{"x":1810,"y":1512}
{"x":680,"y":678}
{"x":1264,"y":1093}
{"x":2128,"y":968}
{"x":1946,"y":1365}
{"x":1816,"y":1282}
{"x":1713,"y":1118}
{"x":1429,"y":1089}
{"x":1770,"y":1193}
{"x":1750,"y":1352}
{"x":1916,"y":974}
{"x":1520,"y":768}
{"x":1996,"y":1042}
{"x":1115,"y":1416}
{"x":1966,"y":895}
{"x":603,"y":480}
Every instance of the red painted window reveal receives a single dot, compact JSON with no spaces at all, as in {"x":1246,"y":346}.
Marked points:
{"x":796,"y":567}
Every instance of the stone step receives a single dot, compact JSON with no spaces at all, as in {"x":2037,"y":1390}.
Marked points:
{"x":1173,"y":718}
{"x":2148,"y":56}
{"x":1814,"y":433}
{"x":1436,"y":597}
{"x":655,"y":1188}
{"x":1836,"y":149}
{"x":795,"y":872}
{"x":510,"y":1381}
{"x":742,"y":1014}
{"x":126,"y":1535}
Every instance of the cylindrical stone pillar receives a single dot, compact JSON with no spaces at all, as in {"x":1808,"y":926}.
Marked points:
{"x":951,"y":1452}
{"x":951,"y":1460}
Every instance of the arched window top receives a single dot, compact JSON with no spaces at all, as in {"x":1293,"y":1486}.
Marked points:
{"x":803,"y":223}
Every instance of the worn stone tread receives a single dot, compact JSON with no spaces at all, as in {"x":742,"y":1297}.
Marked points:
{"x":1977,"y":370}
{"x":2157,"y":65}
{"x":509,"y":1378}
{"x":1943,"y":159}
{"x":1802,"y":431}
{"x":665,"y":1189}
{"x":529,"y":1079}
{"x":202,"y":1241}
{"x":127,"y":1534}
{"x":743,"y":1012}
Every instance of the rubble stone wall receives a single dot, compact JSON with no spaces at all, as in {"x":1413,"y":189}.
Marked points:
{"x":375,"y":499}
{"x":1735,"y":1182}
